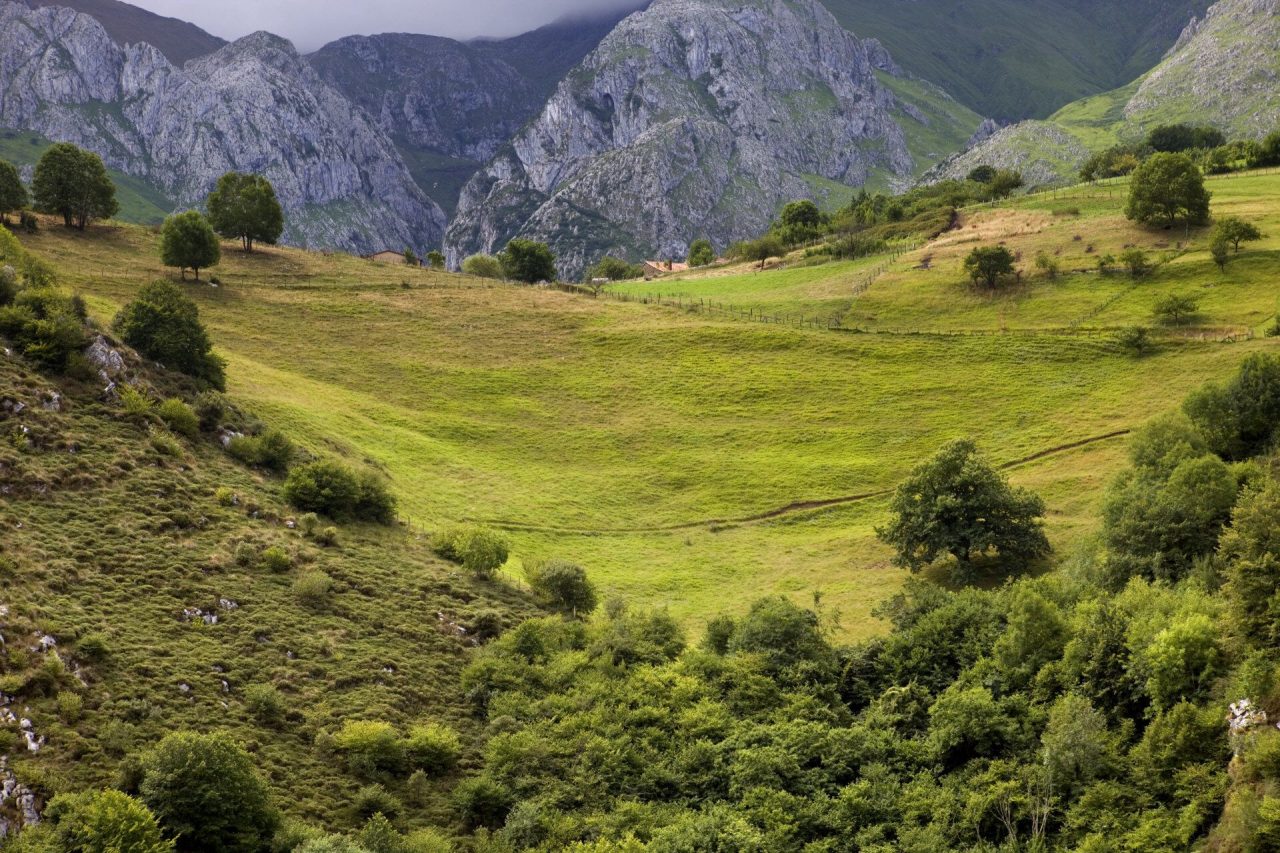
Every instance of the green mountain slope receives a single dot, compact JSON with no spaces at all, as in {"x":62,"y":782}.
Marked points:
{"x":1222,"y":74}
{"x":1013,"y":59}
{"x":123,"y":542}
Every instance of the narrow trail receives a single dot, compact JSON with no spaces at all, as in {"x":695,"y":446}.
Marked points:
{"x":779,"y":512}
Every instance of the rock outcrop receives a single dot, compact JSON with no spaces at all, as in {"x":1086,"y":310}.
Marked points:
{"x":1039,"y":150}
{"x":254,"y":105}
{"x":692,"y":118}
{"x":1225,"y":71}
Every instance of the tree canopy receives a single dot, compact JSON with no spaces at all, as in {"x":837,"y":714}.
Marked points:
{"x":1166,"y":189}
{"x":957,"y":504}
{"x":74,"y":184}
{"x":187,"y":240}
{"x":13,"y":194}
{"x":163,"y":323}
{"x":528,"y":261}
{"x":701,"y":253}
{"x":989,"y":264}
{"x":244,"y":207}
{"x":205,"y":791}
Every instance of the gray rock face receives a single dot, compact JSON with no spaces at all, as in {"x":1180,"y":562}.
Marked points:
{"x":693,"y":118}
{"x":435,"y":93}
{"x":254,"y":105}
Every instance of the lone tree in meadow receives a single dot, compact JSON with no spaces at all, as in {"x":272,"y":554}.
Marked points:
{"x":528,"y":261}
{"x":988,"y":264}
{"x":1176,"y":309}
{"x":957,"y":504}
{"x":13,"y":195}
{"x":1166,"y":189}
{"x":73,"y":182}
{"x":1235,"y":231}
{"x":187,"y":241}
{"x":245,"y":208}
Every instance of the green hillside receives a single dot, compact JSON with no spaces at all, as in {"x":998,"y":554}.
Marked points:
{"x":697,"y":443}
{"x":1014,"y":60}
{"x":645,"y":442}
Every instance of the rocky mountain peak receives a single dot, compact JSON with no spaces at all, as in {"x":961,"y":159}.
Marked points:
{"x":692,"y":118}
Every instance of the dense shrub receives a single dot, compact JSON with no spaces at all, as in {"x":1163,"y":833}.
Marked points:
{"x":563,"y":586}
{"x":272,"y":450}
{"x":370,"y":747}
{"x":163,"y":323}
{"x":95,"y":822}
{"x":265,"y":703}
{"x":479,"y":549}
{"x":313,"y":589}
{"x":45,"y":326}
{"x":483,"y":266}
{"x":275,"y":560}
{"x":338,"y":492}
{"x":433,"y":748}
{"x":179,"y":417}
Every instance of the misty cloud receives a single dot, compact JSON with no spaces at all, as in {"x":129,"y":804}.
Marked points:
{"x":312,"y":23}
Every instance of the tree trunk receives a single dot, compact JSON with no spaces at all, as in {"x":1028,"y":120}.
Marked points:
{"x":197,"y":271}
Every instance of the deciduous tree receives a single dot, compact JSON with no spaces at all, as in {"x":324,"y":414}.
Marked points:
{"x":187,"y":240}
{"x":244,"y":207}
{"x":957,"y":504}
{"x":989,"y":264}
{"x":1166,"y":189}
{"x":13,"y":195}
{"x":74,"y":183}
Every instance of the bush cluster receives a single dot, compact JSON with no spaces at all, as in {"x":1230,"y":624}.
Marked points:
{"x":478,"y":549}
{"x":335,"y":490}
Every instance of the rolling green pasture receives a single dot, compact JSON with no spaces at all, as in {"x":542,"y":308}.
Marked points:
{"x":644,"y":441}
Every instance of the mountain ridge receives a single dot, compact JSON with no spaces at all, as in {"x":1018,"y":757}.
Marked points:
{"x":339,"y":178}
{"x":695,"y":119}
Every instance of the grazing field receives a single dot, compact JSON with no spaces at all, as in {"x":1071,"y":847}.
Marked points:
{"x":696,"y":461}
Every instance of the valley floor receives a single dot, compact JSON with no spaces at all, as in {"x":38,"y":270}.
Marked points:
{"x":657,"y":445}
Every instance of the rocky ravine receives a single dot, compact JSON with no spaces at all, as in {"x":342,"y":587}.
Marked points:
{"x":254,"y":105}
{"x":692,"y":118}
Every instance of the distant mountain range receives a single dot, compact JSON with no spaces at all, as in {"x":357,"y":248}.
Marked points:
{"x":1017,"y":59}
{"x":701,"y":118}
{"x":630,"y":134}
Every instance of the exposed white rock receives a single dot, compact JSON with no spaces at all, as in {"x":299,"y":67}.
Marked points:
{"x":254,"y":105}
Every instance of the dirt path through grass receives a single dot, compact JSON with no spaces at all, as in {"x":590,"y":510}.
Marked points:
{"x":779,"y":512}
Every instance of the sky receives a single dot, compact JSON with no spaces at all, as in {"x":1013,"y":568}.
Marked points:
{"x":312,"y":23}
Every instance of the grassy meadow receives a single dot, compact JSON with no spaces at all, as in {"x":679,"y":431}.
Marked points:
{"x":647,"y":442}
